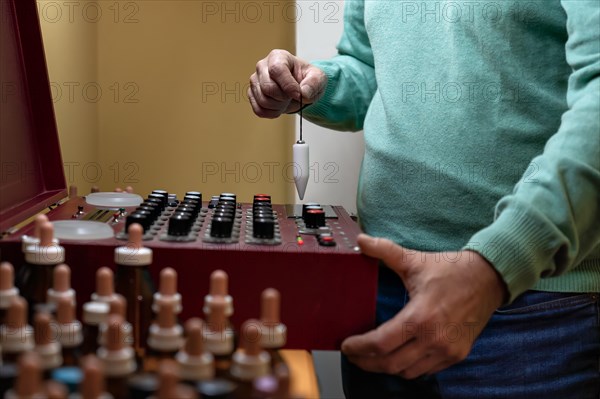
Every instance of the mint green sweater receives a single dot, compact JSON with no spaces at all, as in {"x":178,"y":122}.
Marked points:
{"x":482,"y":130}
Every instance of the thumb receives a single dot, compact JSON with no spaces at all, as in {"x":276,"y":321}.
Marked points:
{"x":313,"y":85}
{"x":393,"y":255}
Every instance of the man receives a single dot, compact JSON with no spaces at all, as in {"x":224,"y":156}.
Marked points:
{"x":481,"y":175}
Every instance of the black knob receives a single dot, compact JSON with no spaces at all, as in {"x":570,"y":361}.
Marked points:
{"x":142,"y":218}
{"x":226,"y":209}
{"x":163,"y":200}
{"x":223,"y":214}
{"x":263,"y":228}
{"x":194,"y":194}
{"x":152,"y":206}
{"x":193,"y":198}
{"x":226,"y":203}
{"x":326,"y":240}
{"x":180,"y":224}
{"x":315,"y":218}
{"x":221,"y":227}
{"x":157,"y":201}
{"x":262,"y":200}
{"x":263,"y":214}
{"x":187,"y":211}
{"x":257,"y":205}
{"x":228,"y":196}
{"x":152,"y":210}
{"x":195,"y":205}
{"x":162,"y":193}
{"x":312,"y":205}
{"x":262,"y":196}
{"x":213,"y":202}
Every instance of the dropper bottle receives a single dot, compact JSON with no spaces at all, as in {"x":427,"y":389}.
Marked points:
{"x":92,"y":386}
{"x":71,"y":331}
{"x":40,"y":260}
{"x":134,"y":282}
{"x":8,"y":291}
{"x":118,"y":359}
{"x":16,"y":336}
{"x":167,"y":291}
{"x":165,"y":337}
{"x":249,"y":361}
{"x":219,"y":337}
{"x":61,"y":285}
{"x":195,"y":363}
{"x":273,"y":331}
{"x":46,"y":344}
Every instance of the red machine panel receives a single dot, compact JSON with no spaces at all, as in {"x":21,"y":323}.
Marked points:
{"x":328,"y":291}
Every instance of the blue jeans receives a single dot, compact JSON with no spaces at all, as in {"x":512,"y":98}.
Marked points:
{"x":543,"y":345}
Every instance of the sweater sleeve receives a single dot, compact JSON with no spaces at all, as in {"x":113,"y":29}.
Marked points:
{"x":551,"y":221}
{"x":350,"y":76}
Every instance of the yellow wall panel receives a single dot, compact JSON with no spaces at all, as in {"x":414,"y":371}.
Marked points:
{"x":70,"y":45}
{"x":172,"y":111}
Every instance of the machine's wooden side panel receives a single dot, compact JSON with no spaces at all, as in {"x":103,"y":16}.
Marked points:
{"x":327,"y":293}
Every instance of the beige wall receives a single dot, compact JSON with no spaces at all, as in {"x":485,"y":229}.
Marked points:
{"x":172,"y":112}
{"x":71,"y":52}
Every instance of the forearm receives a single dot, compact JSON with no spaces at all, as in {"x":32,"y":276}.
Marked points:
{"x":350,"y":88}
{"x":551,"y":221}
{"x":351,"y":81}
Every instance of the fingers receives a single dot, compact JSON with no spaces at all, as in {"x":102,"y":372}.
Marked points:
{"x":393,"y":255}
{"x":280,"y":68}
{"x":385,"y":339}
{"x":258,"y":110}
{"x":410,"y":360}
{"x":391,"y":363}
{"x":281,"y":79}
{"x":264,"y":101}
{"x":313,"y":84}
{"x":425,"y":365}
{"x":264,"y":82}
